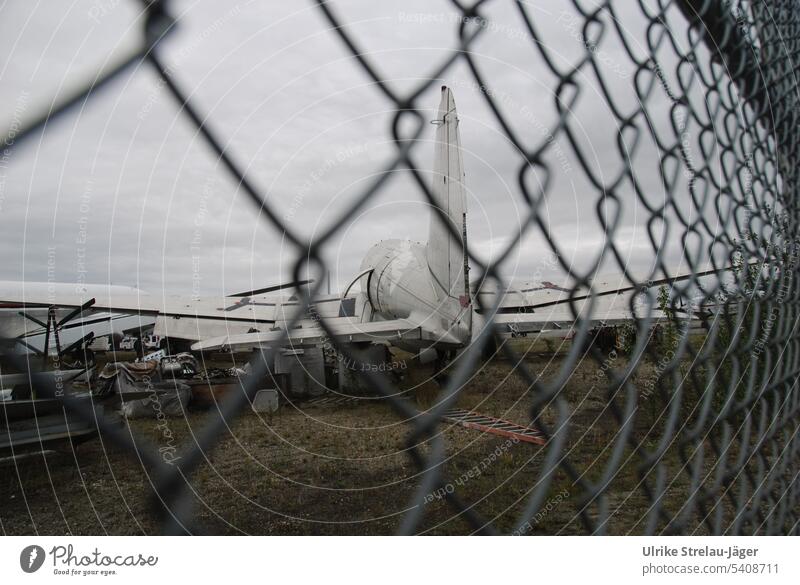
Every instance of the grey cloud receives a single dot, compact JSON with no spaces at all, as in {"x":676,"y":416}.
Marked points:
{"x":288,"y":97}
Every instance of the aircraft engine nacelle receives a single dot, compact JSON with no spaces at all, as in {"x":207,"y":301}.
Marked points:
{"x":400,"y":282}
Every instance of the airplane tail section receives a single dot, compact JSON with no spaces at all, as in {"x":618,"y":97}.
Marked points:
{"x":446,"y":252}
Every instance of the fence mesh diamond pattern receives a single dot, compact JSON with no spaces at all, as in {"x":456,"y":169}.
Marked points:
{"x":709,"y":106}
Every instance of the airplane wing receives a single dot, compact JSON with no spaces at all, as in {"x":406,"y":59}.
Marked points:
{"x":345,"y":330}
{"x":550,"y":307}
{"x":95,"y":322}
{"x":564,"y":321}
{"x":545,"y":294}
{"x":139,"y":303}
{"x":182,"y":317}
{"x":251,"y":310}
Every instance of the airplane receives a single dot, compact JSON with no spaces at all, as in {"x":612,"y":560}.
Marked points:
{"x":28,"y":308}
{"x":20,"y":320}
{"x":40,"y":329}
{"x":413,"y":295}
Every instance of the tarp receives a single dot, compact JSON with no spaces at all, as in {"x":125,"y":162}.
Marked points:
{"x":167,"y":399}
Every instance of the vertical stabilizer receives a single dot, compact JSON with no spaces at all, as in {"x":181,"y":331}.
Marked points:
{"x":446,"y":253}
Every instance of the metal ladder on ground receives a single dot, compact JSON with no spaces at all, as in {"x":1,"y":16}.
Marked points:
{"x":495,"y":426}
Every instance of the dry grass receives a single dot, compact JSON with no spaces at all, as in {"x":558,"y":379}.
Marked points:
{"x":344,"y":470}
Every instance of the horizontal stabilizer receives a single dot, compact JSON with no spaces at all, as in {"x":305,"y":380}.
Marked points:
{"x":269,"y":289}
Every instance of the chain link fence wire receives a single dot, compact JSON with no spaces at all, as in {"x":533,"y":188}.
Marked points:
{"x":724,"y":412}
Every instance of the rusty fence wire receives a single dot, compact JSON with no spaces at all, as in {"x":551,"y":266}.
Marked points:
{"x":729,"y":408}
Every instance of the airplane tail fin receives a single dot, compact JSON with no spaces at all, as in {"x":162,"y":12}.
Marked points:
{"x":446,"y":254}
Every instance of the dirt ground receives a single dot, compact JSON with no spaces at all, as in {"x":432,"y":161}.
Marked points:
{"x":346,"y":470}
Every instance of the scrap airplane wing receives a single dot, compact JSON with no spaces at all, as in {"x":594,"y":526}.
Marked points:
{"x":189,"y":317}
{"x":551,"y":307}
{"x":130,"y":301}
{"x":406,"y":331}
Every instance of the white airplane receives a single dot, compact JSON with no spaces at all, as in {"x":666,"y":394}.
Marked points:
{"x":31,"y":328}
{"x":414,"y":295}
{"x":20,"y":320}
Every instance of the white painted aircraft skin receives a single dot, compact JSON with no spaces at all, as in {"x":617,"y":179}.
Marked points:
{"x":100,"y":323}
{"x":414,"y":295}
{"x":13,"y":324}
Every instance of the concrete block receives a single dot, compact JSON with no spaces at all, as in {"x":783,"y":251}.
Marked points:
{"x":266,"y":401}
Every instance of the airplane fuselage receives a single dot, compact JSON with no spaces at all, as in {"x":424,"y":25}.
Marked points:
{"x":401,"y":285}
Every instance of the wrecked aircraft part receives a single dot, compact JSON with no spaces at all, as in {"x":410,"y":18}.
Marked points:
{"x":166,"y":399}
{"x":428,"y":356}
{"x":182,"y":365}
{"x":369,"y":357}
{"x":304,"y":369}
{"x":30,"y":426}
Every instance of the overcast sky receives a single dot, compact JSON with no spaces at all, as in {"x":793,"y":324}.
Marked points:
{"x":124,"y":191}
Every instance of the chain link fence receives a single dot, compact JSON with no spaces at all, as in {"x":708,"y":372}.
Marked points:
{"x":717,"y":101}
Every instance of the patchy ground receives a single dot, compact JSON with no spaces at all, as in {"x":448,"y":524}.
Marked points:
{"x":345,"y":470}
